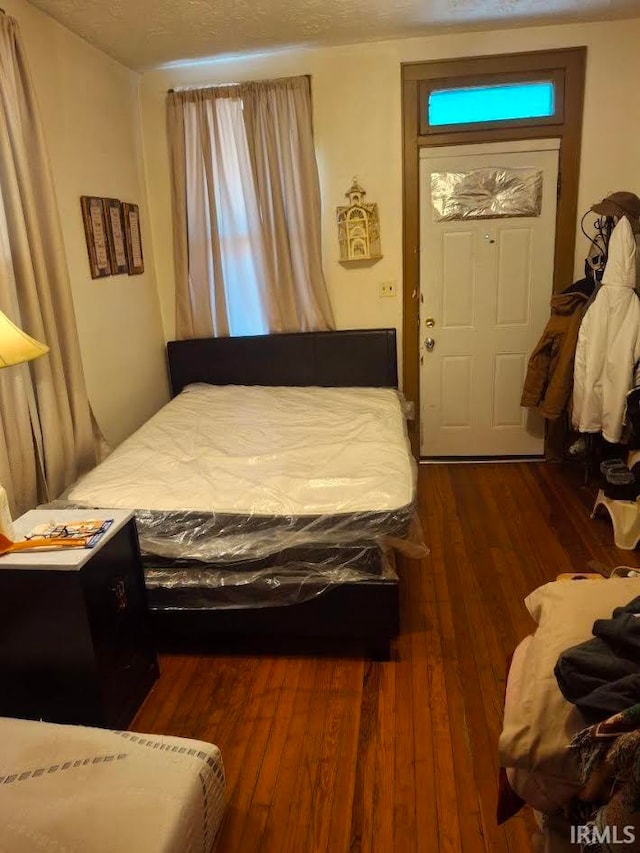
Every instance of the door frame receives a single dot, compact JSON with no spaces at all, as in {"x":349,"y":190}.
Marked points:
{"x":418,"y":78}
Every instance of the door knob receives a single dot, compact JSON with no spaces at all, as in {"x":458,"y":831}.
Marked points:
{"x":429,"y":344}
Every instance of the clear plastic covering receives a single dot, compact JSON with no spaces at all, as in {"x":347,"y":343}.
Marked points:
{"x":272,"y":567}
{"x":487,"y":193}
{"x":219,"y":538}
{"x":290,"y":580}
{"x":246,"y":497}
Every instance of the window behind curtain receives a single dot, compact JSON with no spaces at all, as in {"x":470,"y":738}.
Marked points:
{"x":247,"y":199}
{"x":230,"y":218}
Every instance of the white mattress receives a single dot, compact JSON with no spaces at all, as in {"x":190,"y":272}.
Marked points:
{"x":262,"y":451}
{"x":72,"y":788}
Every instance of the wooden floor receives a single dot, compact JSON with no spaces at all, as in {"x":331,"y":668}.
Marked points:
{"x":342,"y":754}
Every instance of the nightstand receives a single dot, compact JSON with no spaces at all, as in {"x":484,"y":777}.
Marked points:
{"x":75,"y":636}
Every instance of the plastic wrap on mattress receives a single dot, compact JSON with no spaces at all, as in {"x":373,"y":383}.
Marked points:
{"x":214,"y":538}
{"x":291,"y":580}
{"x":228,"y":474}
{"x":258,"y":497}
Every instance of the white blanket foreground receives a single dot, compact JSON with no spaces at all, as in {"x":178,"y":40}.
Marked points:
{"x":73,"y":788}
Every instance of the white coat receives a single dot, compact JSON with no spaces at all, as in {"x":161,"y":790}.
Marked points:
{"x":608,"y":346}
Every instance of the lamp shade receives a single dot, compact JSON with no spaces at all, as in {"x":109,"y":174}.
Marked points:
{"x":16,"y":346}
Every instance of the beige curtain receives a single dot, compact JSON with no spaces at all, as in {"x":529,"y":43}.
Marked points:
{"x":45,"y":424}
{"x":247,"y":210}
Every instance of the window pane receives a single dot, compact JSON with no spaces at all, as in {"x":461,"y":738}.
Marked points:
{"x":236,"y":215}
{"x":491,"y":103}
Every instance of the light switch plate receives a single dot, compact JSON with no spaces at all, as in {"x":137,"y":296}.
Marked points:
{"x":388,"y":288}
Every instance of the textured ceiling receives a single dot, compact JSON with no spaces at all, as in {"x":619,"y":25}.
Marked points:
{"x":146,"y":33}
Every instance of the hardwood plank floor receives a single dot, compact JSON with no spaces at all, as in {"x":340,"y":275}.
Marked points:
{"x":341,"y":754}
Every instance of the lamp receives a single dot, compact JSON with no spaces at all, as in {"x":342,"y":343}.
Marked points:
{"x":16,"y":346}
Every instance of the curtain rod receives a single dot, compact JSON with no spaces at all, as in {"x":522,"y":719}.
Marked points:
{"x":237,"y":83}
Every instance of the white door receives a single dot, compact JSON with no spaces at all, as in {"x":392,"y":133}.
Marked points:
{"x":485,"y":286}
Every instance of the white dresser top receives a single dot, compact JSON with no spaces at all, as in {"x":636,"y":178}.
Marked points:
{"x":65,"y":559}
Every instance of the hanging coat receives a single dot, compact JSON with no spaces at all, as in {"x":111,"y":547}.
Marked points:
{"x":549,"y":379}
{"x":608,"y":346}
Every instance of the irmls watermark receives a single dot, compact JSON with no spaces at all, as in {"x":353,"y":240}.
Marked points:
{"x":591,"y":834}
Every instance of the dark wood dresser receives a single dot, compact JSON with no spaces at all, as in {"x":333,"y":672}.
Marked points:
{"x":75,"y":638}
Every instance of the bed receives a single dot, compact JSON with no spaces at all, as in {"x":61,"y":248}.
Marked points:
{"x":538,"y":722}
{"x":77,"y":788}
{"x":268,"y":491}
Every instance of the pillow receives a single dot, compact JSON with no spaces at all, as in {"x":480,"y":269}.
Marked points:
{"x":581,"y":601}
{"x":538,"y":721}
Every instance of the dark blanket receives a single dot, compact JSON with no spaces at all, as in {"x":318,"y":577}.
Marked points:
{"x":606,"y":810}
{"x":601,"y":677}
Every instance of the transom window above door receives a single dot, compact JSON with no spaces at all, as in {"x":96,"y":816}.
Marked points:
{"x":492,"y":101}
{"x":473,"y":104}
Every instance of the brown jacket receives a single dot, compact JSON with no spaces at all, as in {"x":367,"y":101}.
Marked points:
{"x":549,"y":380}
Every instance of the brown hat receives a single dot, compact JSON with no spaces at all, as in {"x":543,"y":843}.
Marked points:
{"x":621,"y":204}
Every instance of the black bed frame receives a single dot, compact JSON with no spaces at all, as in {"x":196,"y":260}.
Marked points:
{"x":366,"y":611}
{"x":351,"y":359}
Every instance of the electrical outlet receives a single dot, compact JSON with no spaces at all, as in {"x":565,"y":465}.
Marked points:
{"x":387,"y":288}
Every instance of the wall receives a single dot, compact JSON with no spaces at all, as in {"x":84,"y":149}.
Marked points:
{"x":89,"y":108}
{"x":357,"y":124}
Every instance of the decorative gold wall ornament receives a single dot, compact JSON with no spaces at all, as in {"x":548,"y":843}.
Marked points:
{"x":358,"y":227}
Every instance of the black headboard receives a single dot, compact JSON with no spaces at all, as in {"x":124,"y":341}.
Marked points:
{"x":357,"y":358}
